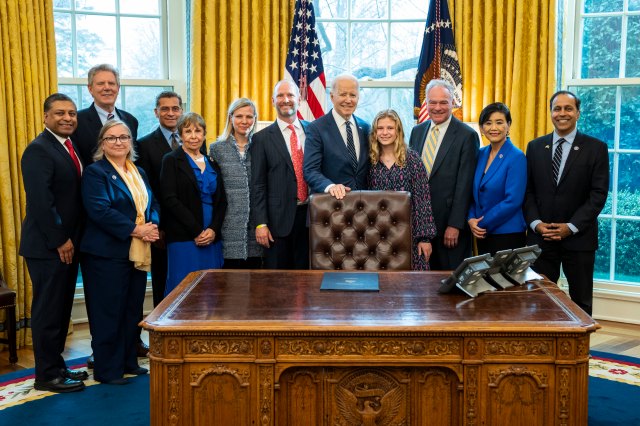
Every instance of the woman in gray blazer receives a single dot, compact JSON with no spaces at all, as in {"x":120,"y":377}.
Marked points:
{"x":232,"y":152}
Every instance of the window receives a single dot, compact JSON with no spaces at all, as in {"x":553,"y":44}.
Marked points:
{"x":603,"y":69}
{"x":379,"y":42}
{"x":129,"y":34}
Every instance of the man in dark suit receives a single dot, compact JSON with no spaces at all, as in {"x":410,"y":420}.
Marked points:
{"x":567,"y":185}
{"x":104,"y":86}
{"x":278,"y":190}
{"x":51,"y":233}
{"x":448,"y":148}
{"x":336,"y":156}
{"x":151,"y":148}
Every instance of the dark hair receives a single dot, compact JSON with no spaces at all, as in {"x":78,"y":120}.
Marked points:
{"x":167,"y":94}
{"x":48,"y":103}
{"x":191,"y":119}
{"x":564,"y":92}
{"x":490,"y":109}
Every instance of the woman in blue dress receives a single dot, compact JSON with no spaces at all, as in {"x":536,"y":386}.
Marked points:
{"x":193,"y":204}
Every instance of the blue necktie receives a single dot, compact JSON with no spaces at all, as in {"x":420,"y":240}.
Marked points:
{"x":351,"y":146}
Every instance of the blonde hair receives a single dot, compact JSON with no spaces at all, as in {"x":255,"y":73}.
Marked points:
{"x":99,"y":152}
{"x":233,"y":107}
{"x":399,"y":147}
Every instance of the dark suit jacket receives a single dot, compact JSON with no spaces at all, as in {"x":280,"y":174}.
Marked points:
{"x":326,"y":158}
{"x":580,"y":194}
{"x":89,"y":126}
{"x":111,"y":211}
{"x":274,"y":190}
{"x":182,"y":218}
{"x":150,"y":149}
{"x":54,"y":206}
{"x":498,"y":194}
{"x":451,"y":177}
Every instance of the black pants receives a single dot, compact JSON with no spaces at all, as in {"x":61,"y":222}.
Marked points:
{"x":493,"y":243}
{"x":447,"y":259}
{"x":248,"y":263}
{"x":291,"y":251}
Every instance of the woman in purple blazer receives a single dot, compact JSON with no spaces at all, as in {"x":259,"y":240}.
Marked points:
{"x":499,"y":184}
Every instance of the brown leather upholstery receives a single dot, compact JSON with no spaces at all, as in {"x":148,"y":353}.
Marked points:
{"x":366,"y":230}
{"x":8,"y":302}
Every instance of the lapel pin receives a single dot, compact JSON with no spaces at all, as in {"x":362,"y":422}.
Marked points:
{"x":575,"y":148}
{"x":546,"y":146}
{"x":114,"y":177}
{"x":500,"y":156}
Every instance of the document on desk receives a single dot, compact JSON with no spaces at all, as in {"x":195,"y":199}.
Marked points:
{"x":350,"y":281}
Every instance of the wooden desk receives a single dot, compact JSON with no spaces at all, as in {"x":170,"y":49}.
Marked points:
{"x":269,"y":348}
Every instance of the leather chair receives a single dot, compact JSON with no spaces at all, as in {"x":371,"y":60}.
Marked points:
{"x":8,"y":303}
{"x":366,"y":230}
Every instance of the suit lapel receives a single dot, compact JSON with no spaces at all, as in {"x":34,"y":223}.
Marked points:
{"x":574,"y":153}
{"x":547,"y":158}
{"x":115,"y":178}
{"x":185,"y":166}
{"x":62,"y":150}
{"x":161,"y":145}
{"x":280,"y":145}
{"x":496,"y":164}
{"x":364,"y":143}
{"x":447,"y":141}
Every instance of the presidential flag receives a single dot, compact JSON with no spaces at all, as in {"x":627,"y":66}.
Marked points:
{"x":438,"y":59}
{"x":304,"y":62}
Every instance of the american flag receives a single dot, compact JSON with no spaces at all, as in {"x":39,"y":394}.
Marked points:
{"x":438,"y":59}
{"x":304,"y":62}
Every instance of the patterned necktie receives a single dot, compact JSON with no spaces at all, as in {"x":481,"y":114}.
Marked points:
{"x":73,"y":155}
{"x":110,"y":116}
{"x":174,"y":141}
{"x":351,"y":147}
{"x":557,"y":159}
{"x":297,"y":158}
{"x":430,"y":147}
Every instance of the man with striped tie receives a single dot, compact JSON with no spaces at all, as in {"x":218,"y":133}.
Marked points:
{"x":104,"y":86}
{"x":567,"y":186}
{"x":448,"y":148}
{"x":336,"y":157}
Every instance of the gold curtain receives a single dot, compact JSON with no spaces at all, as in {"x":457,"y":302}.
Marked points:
{"x":238,"y":49}
{"x":27,"y":77}
{"x":507,"y":54}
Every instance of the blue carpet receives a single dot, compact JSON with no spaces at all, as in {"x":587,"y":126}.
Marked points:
{"x":611,"y":403}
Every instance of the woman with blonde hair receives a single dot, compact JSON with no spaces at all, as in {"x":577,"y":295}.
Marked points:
{"x":232,"y":152}
{"x":394,"y":167}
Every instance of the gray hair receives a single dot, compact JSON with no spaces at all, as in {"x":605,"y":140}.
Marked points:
{"x":345,"y":76}
{"x":99,"y":152}
{"x":104,"y":67}
{"x":437,"y":82}
{"x":233,"y":107}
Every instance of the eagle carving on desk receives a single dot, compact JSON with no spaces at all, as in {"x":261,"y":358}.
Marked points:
{"x":369,"y":405}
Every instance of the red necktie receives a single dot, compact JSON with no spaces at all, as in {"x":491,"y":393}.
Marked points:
{"x":73,"y":155}
{"x":297,"y":158}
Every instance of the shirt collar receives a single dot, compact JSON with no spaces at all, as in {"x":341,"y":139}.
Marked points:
{"x":340,"y":120}
{"x":104,"y":114}
{"x":444,"y":125}
{"x":569,"y":138}
{"x":58,"y":137}
{"x":283,"y":124}
{"x":167,"y":133}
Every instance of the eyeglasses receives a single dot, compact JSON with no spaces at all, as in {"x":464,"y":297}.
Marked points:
{"x":113,"y":139}
{"x":165,"y":110}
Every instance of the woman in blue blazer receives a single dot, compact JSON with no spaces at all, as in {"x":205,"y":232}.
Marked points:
{"x":116,"y":253}
{"x":499,"y":185}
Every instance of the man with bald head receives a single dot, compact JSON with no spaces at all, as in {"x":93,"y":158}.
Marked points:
{"x":448,"y":148}
{"x":279,"y":192}
{"x":337,"y":147}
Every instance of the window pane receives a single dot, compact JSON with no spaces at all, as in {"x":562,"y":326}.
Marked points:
{"x":371,"y":102}
{"x":64,"y":52}
{"x":627,"y":248}
{"x":628,"y":185}
{"x":597,"y":112}
{"x":634,"y":5}
{"x":603,"y":255}
{"x":141,"y":48}
{"x":409,"y":9}
{"x":369,"y":8}
{"x":607,"y":205}
{"x":96,"y":5}
{"x":96,"y":41}
{"x":632,"y":68}
{"x":140,"y":7}
{"x":333,"y":43}
{"x":140,"y":102}
{"x":601,"y":47}
{"x":630,"y":118}
{"x":72,"y":91}
{"x":594,"y":6}
{"x":330,"y":8}
{"x":369,"y":50}
{"x":62,"y":4}
{"x":406,"y":42}
{"x":402,"y":103}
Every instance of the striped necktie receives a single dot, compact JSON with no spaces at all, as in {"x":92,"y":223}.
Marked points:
{"x":557,"y":159}
{"x":430,"y":148}
{"x":110,"y":116}
{"x":174,"y":141}
{"x":351,"y":147}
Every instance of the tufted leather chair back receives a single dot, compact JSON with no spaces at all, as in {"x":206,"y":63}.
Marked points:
{"x":366,"y":230}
